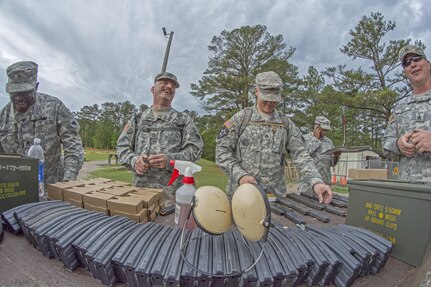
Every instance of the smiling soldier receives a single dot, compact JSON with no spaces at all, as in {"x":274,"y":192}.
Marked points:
{"x":408,"y":134}
{"x":152,"y":139}
{"x":31,"y":114}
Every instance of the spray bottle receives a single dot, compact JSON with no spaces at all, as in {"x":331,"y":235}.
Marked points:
{"x":184,"y":194}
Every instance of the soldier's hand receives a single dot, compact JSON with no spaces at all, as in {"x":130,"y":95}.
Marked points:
{"x":323,"y":192}
{"x":422,"y":140}
{"x":405,"y":146}
{"x":157,"y":161}
{"x":142,"y":165}
{"x":247,"y":179}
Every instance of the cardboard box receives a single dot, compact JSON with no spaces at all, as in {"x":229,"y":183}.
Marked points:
{"x":153,"y":216}
{"x":77,"y":203}
{"x":148,"y":198}
{"x":76,"y":193}
{"x":355,"y":173}
{"x":152,"y":208}
{"x":101,"y":180}
{"x":140,"y":217}
{"x":18,"y":180}
{"x":55,"y":190}
{"x":126,"y":204}
{"x":153,"y":190}
{"x":118,"y":190}
{"x":97,"y":199}
{"x":120,"y":183}
{"x":96,"y":208}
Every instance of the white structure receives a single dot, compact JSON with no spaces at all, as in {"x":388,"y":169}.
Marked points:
{"x":359,"y":158}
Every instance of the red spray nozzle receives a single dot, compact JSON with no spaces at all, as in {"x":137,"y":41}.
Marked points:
{"x":185,"y":168}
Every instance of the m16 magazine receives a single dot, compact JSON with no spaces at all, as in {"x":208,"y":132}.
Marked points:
{"x":116,"y":249}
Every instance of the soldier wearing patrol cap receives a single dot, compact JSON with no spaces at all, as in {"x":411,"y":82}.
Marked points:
{"x":31,"y":114}
{"x":317,"y":144}
{"x":152,"y":138}
{"x":408,"y":134}
{"x":251,"y":146}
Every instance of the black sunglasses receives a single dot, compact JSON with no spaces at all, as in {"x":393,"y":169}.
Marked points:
{"x":415,"y":59}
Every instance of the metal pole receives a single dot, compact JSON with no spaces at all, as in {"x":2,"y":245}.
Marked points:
{"x":168,"y":47}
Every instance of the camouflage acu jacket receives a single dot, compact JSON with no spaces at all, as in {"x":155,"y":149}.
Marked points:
{"x":316,"y":147}
{"x":412,"y":113}
{"x":173,"y":134}
{"x":49,"y":120}
{"x":259,"y":150}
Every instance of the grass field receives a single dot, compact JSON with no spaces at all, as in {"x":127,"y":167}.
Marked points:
{"x":92,"y":154}
{"x":211,"y":174}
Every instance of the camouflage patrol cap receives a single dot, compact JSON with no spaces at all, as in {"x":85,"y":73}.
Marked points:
{"x":411,"y":49}
{"x":167,"y":76}
{"x":323,"y":122}
{"x":22,"y":77}
{"x":269,"y":84}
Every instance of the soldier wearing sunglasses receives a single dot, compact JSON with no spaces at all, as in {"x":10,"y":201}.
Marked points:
{"x":408,"y":133}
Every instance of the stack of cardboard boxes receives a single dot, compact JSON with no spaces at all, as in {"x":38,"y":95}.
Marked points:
{"x":111,"y":197}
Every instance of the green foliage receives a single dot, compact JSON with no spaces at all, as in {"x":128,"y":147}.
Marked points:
{"x":101,"y":126}
{"x":238,"y":55}
{"x":373,"y":93}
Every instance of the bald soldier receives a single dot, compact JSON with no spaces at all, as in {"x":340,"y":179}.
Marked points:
{"x":152,"y":139}
{"x":31,"y":114}
{"x":251,"y":146}
{"x":408,"y":134}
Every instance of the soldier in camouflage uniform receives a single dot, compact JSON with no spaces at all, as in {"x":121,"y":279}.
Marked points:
{"x":160,"y":134}
{"x":408,"y":134}
{"x":318,"y":143}
{"x":31,"y":114}
{"x":251,"y":146}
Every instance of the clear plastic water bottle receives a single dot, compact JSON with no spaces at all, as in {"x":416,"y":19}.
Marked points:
{"x":36,"y":151}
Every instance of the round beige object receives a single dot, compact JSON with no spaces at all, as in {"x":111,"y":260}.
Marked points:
{"x":212,"y":210}
{"x":251,"y":212}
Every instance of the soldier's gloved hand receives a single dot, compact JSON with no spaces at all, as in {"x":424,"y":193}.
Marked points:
{"x":141,"y":165}
{"x":422,"y":140}
{"x":247,"y":179}
{"x":157,"y":161}
{"x":323,"y":192}
{"x":69,"y":175}
{"x":405,"y":146}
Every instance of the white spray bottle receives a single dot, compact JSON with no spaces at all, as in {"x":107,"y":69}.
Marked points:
{"x":184,"y":194}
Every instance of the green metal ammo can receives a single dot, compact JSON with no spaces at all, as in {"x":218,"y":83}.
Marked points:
{"x":397,"y":211}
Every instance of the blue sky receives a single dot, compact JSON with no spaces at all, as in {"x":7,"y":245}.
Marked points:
{"x":110,"y":50}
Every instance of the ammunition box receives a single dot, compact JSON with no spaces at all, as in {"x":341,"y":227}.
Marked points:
{"x":399,"y":212}
{"x":18,"y":180}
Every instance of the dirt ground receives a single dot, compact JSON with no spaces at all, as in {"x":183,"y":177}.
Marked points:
{"x":90,"y":166}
